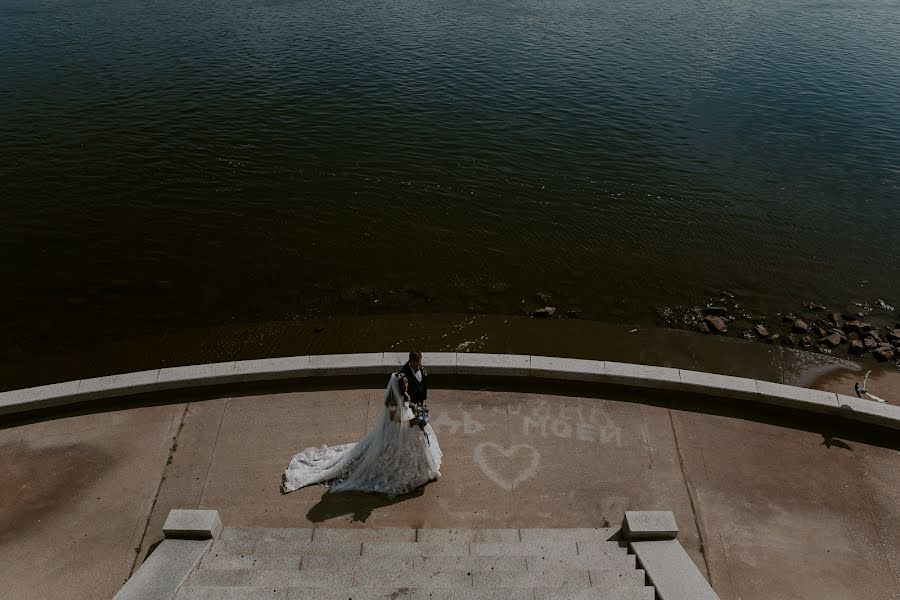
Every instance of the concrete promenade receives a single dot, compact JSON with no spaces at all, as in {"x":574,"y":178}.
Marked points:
{"x":770,"y":504}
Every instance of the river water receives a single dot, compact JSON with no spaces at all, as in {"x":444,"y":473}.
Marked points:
{"x":169,"y":165}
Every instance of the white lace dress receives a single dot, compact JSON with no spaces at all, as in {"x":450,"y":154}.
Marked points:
{"x":394,"y":458}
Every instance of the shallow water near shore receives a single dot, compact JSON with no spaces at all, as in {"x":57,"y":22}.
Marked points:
{"x":437,"y":333}
{"x":170,"y":167}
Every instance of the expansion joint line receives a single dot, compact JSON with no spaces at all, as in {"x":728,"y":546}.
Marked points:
{"x":172,"y":449}
{"x":690,"y":493}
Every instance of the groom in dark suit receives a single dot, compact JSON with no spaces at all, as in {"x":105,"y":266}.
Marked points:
{"x":417,"y":377}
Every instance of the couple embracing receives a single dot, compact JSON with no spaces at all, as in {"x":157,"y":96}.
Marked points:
{"x":399,"y":454}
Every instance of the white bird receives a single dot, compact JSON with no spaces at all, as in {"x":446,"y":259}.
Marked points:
{"x":863,"y":390}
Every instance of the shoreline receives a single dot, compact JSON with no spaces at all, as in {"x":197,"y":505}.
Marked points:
{"x":573,"y":338}
{"x":43,"y":352}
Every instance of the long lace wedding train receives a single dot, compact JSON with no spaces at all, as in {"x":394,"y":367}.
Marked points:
{"x":393,"y":458}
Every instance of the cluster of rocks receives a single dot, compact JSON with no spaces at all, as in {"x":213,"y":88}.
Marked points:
{"x":827,"y":333}
{"x":547,"y":310}
{"x":859,"y":336}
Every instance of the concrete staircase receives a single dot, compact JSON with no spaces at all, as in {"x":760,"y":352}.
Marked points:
{"x":416,"y":564}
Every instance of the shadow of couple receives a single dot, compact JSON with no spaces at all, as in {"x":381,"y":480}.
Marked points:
{"x":357,"y":504}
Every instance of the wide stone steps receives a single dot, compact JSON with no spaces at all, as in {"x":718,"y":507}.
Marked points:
{"x":191,"y":592}
{"x":432,"y":564}
{"x":517,"y":564}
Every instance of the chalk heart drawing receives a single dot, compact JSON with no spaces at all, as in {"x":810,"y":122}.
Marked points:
{"x":492,"y":457}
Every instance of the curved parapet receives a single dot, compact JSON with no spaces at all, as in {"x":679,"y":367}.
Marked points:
{"x":451,"y":363}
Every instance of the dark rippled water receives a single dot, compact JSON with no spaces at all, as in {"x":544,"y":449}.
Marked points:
{"x":178,"y":164}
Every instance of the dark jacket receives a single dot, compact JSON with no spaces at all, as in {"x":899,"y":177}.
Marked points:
{"x":418,"y":392}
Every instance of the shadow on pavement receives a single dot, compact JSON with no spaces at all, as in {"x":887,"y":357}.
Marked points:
{"x":358,"y":504}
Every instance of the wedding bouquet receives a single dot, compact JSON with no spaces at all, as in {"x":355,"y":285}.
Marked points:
{"x":420,"y":418}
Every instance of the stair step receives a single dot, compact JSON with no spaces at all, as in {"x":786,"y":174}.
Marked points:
{"x":398,"y":534}
{"x":635,"y":578}
{"x":375,"y":564}
{"x":469,"y":594}
{"x":599,"y":549}
{"x":468,"y":535}
{"x":252,"y":561}
{"x":340,"y":579}
{"x":600,"y":534}
{"x":194,"y":592}
{"x":258,"y":534}
{"x":330,"y":563}
{"x":570,"y":580}
{"x":621,"y":561}
{"x":410,"y":593}
{"x":355,"y":578}
{"x":401,"y":549}
{"x":537,"y":549}
{"x":271,"y":578}
{"x":350,"y":534}
{"x":458,"y":563}
{"x":191,"y":592}
{"x":636,"y":593}
{"x":348,"y":549}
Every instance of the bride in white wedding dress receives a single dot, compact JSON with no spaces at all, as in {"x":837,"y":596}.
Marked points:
{"x":394,"y":458}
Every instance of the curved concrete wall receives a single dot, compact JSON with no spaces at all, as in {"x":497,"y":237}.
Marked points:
{"x":452,"y":363}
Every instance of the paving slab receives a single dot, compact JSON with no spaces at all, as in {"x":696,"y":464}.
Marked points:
{"x":468,"y":535}
{"x":537,"y":549}
{"x":185,"y":476}
{"x":589,"y":562}
{"x":412,"y":593}
{"x":406,"y":578}
{"x":359,"y":534}
{"x":622,"y":593}
{"x":251,"y":561}
{"x":607,"y":579}
{"x":193,"y":592}
{"x":569,"y":580}
{"x":515,"y":564}
{"x":227,"y":578}
{"x":260,"y":534}
{"x":779,"y":509}
{"x":566,"y":534}
{"x":234,"y":548}
{"x":75,"y":499}
{"x":254,"y":447}
{"x":271,"y":578}
{"x":284,"y":547}
{"x":417,"y":549}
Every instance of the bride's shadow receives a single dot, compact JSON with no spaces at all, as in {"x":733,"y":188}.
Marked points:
{"x":358,"y":504}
